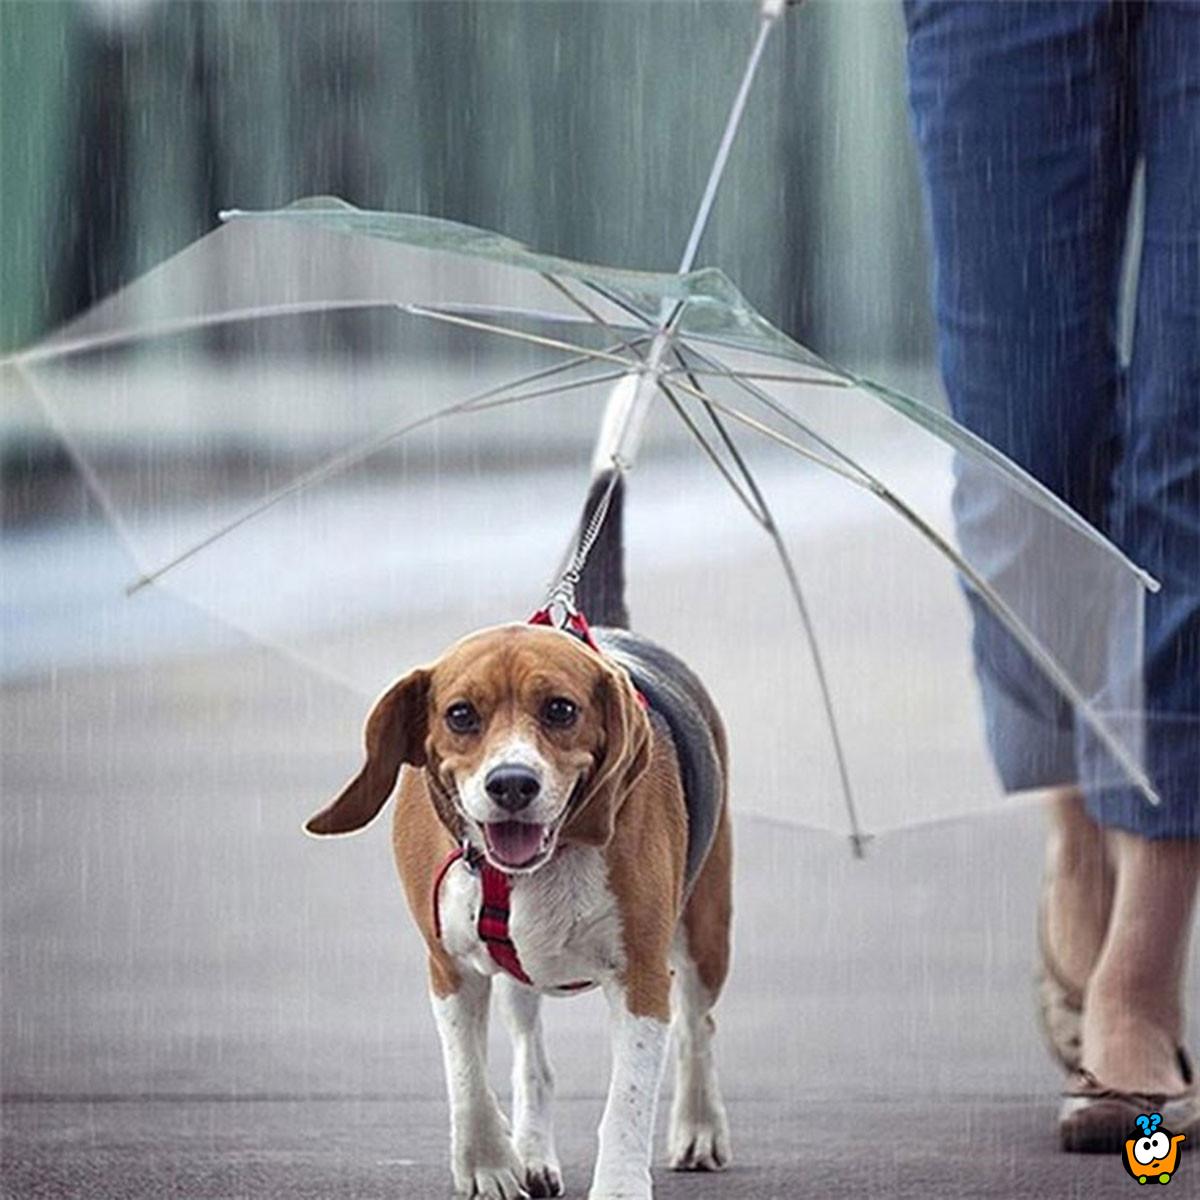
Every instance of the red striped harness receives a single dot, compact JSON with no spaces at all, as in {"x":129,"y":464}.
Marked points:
{"x":495,"y":885}
{"x":492,"y":925}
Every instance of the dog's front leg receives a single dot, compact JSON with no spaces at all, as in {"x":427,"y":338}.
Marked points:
{"x":533,"y":1089}
{"x":482,"y":1159}
{"x":639,"y":1041}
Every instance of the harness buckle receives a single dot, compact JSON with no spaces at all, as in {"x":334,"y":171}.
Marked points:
{"x":469,"y":858}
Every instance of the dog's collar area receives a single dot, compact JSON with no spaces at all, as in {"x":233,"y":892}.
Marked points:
{"x":570,"y":620}
{"x":492,"y":925}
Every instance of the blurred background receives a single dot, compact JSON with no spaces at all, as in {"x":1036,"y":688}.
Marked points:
{"x":584,"y":129}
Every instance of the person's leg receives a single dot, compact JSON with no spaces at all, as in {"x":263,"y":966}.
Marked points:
{"x":1133,"y":1016}
{"x":1022,"y":122}
{"x":1079,"y":888}
{"x":1133,"y":1012}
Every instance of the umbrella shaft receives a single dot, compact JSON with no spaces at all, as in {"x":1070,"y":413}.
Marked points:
{"x":625,"y":413}
{"x":726,"y":145}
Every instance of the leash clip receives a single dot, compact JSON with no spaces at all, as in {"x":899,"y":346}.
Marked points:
{"x":468,"y":859}
{"x":560,"y":606}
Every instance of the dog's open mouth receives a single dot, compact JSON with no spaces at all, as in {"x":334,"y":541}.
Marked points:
{"x":516,"y":843}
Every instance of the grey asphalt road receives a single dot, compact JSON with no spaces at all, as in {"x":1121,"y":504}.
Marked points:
{"x":200,"y":1002}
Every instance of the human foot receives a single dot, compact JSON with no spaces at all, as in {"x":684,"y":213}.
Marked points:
{"x":1072,"y":921}
{"x":1133,"y":1006}
{"x":1129,"y":1052}
{"x":1133,"y":1010}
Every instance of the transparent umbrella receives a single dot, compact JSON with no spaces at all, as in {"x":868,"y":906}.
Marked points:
{"x":790,"y":524}
{"x":475,"y":373}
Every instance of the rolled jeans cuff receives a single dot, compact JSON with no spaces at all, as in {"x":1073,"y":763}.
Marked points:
{"x":1172,"y":758}
{"x":1029,"y":749}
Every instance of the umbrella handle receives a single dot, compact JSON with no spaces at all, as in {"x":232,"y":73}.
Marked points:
{"x":625,"y":413}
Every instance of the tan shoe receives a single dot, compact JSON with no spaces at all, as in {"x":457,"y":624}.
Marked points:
{"x":1095,"y":1119}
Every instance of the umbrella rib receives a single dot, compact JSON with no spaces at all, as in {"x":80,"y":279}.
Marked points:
{"x":849,"y":473}
{"x":1012,"y":622}
{"x":129,"y":542}
{"x":767,"y":520}
{"x":43,"y":352}
{"x":529,"y":338}
{"x":462,"y":308}
{"x":583,"y":307}
{"x":759,"y":376}
{"x":623,"y":304}
{"x":1038,"y":492}
{"x":82,"y":464}
{"x":62,"y":349}
{"x":631,"y":347}
{"x":489,"y":398}
{"x":713,"y":457}
{"x":747,"y":344}
{"x":858,"y":838}
{"x":766,"y":399}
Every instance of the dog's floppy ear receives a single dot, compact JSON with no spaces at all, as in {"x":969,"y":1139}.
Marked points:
{"x":396,"y":732}
{"x":623,"y":761}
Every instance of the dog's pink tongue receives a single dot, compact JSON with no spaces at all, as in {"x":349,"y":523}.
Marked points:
{"x":514,"y":843}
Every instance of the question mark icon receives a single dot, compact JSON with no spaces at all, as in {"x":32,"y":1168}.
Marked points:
{"x":1155,"y":1121}
{"x":1144,"y":1122}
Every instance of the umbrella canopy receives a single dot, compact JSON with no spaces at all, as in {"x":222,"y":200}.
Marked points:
{"x":465,"y":376}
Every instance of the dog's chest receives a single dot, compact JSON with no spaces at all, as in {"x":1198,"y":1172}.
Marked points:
{"x":563,"y":920}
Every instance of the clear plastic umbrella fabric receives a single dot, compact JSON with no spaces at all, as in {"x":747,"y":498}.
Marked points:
{"x":466,"y":377}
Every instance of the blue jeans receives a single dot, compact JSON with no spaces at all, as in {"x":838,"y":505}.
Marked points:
{"x":1030,"y":118}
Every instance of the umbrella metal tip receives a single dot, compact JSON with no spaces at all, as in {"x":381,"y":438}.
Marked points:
{"x":858,"y":844}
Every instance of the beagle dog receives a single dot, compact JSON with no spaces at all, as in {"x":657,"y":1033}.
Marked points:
{"x":561,"y":823}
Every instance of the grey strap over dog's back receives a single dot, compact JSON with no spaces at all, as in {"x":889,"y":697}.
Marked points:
{"x":678,"y":698}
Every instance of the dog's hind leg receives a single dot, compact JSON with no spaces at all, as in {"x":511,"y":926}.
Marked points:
{"x":483,"y":1159}
{"x":533,"y":1088}
{"x":699,"y":1130}
{"x":698,"y":1138}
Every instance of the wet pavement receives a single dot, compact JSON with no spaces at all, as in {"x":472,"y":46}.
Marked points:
{"x":199,"y":1001}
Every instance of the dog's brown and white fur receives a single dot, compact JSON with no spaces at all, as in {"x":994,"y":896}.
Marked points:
{"x":602,"y":891}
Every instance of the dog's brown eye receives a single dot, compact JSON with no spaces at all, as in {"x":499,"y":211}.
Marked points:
{"x":560,"y":712}
{"x":462,"y":717}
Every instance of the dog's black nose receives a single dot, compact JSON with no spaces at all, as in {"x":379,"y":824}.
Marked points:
{"x":512,"y":787}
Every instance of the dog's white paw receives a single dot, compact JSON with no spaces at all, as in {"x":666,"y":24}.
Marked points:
{"x":699,"y":1143}
{"x":497,"y":1175}
{"x":492,"y":1183}
{"x":543,"y":1176}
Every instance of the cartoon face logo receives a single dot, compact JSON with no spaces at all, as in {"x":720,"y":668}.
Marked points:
{"x":1154,"y":1155}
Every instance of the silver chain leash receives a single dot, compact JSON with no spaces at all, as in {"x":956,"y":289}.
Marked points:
{"x":560,"y":603}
